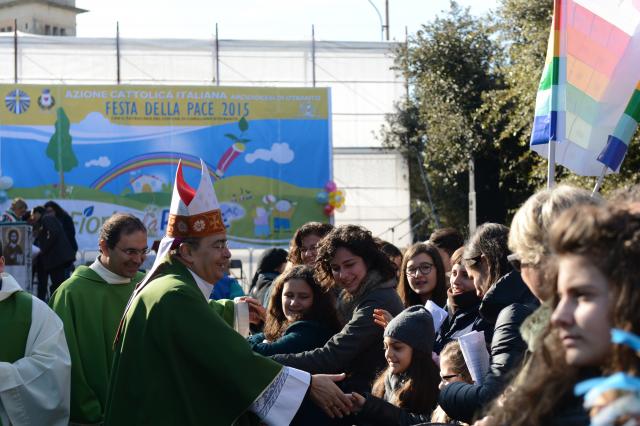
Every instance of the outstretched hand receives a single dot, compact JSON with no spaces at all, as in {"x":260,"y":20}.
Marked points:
{"x":381,"y":317}
{"x":358,"y":402}
{"x":328,"y":396}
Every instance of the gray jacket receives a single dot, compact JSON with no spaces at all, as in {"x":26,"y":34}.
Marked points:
{"x":358,"y":348}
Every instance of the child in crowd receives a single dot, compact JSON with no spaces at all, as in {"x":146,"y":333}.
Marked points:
{"x":452,"y":369}
{"x":300,"y":315}
{"x":407,"y":391}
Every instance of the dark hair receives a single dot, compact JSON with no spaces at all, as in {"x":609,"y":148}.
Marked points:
{"x":447,"y":239}
{"x":322,"y":310}
{"x":358,"y":241}
{"x":406,"y":293}
{"x":610,"y":239}
{"x":419,"y":393}
{"x":270,"y":260}
{"x":389,"y":249}
{"x":38,"y":209}
{"x":491,"y":241}
{"x":118,"y":225}
{"x":309,"y":228}
{"x":1,"y":250}
{"x":453,"y":355}
{"x":59,"y":211}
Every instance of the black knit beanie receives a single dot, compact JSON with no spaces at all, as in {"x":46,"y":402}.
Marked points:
{"x":413,"y":326}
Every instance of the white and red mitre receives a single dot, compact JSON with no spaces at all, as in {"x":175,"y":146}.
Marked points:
{"x":194,"y":213}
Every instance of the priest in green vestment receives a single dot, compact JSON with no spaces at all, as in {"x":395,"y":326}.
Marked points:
{"x":91,"y":303}
{"x":35,"y":367}
{"x":178,"y":360}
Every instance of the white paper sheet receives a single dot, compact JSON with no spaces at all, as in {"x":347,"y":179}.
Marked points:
{"x":438,"y":314}
{"x":476,"y":356}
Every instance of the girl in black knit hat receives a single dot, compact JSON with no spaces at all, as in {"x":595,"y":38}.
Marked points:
{"x":407,"y":391}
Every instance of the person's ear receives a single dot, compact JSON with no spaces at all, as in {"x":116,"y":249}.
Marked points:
{"x":102,"y":245}
{"x":1,"y":263}
{"x":186,"y":253}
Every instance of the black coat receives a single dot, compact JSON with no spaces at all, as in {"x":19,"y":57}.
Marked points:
{"x":462,"y":320}
{"x":69,"y":230}
{"x":358,"y":348}
{"x":507,"y":304}
{"x":377,"y":411}
{"x":262,"y":288}
{"x":55,"y":249}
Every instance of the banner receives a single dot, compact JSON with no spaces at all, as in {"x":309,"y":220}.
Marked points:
{"x":587,"y":99}
{"x":97,"y":150}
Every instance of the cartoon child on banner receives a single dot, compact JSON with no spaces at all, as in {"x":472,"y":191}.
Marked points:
{"x":282,"y":215}
{"x":261,"y":222}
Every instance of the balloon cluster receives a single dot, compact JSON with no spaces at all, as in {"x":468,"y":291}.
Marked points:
{"x":332,"y":198}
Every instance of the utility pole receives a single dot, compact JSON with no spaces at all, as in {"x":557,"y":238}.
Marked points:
{"x":386,"y":16}
{"x":472,"y":196}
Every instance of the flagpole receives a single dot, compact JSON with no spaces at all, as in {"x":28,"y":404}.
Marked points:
{"x":551,"y":172}
{"x":551,"y":155}
{"x":596,"y":188}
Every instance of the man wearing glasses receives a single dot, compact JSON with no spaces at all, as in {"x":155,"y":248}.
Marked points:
{"x":91,"y":303}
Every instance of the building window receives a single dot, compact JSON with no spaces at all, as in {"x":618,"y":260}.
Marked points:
{"x":26,"y":25}
{"x":63,"y":32}
{"x":47,"y":30}
{"x":55,"y":30}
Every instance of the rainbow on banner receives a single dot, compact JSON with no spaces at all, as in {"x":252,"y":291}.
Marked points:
{"x":147,"y":160}
{"x":590,"y":74}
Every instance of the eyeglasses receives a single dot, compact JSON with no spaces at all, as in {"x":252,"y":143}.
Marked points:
{"x":310,"y":249}
{"x":220,"y":245}
{"x":424,"y":268}
{"x":448,"y":377}
{"x":135,"y":252}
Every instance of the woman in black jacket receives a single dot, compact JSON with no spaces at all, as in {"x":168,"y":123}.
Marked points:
{"x":506,"y":303}
{"x":350,"y":260}
{"x":56,"y":254}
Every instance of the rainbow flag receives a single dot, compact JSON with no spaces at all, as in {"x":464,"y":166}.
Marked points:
{"x":588,"y":99}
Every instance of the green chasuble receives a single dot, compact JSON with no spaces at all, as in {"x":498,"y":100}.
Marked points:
{"x":91,"y":310}
{"x":15,"y":324}
{"x":178,"y":362}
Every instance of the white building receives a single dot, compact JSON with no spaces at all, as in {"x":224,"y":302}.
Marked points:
{"x":363,"y":87}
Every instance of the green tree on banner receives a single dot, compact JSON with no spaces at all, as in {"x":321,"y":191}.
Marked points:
{"x":59,"y":149}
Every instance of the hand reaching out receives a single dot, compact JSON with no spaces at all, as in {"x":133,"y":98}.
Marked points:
{"x":381,"y":317}
{"x":328,"y":396}
{"x":358,"y":402}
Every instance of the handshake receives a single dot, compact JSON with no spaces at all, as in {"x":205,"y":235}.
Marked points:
{"x":329,"y":397}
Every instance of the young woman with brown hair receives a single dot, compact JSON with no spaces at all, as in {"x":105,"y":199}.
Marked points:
{"x":303,"y":247}
{"x":422,"y":276}
{"x":300,"y":315}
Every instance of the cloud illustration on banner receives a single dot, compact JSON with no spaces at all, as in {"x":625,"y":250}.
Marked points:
{"x":279,"y":153}
{"x":102,"y":161}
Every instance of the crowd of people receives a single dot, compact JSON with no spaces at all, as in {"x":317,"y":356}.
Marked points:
{"x":342,"y":329}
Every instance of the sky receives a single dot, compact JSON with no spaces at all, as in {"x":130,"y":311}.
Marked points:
{"x":345,"y":20}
